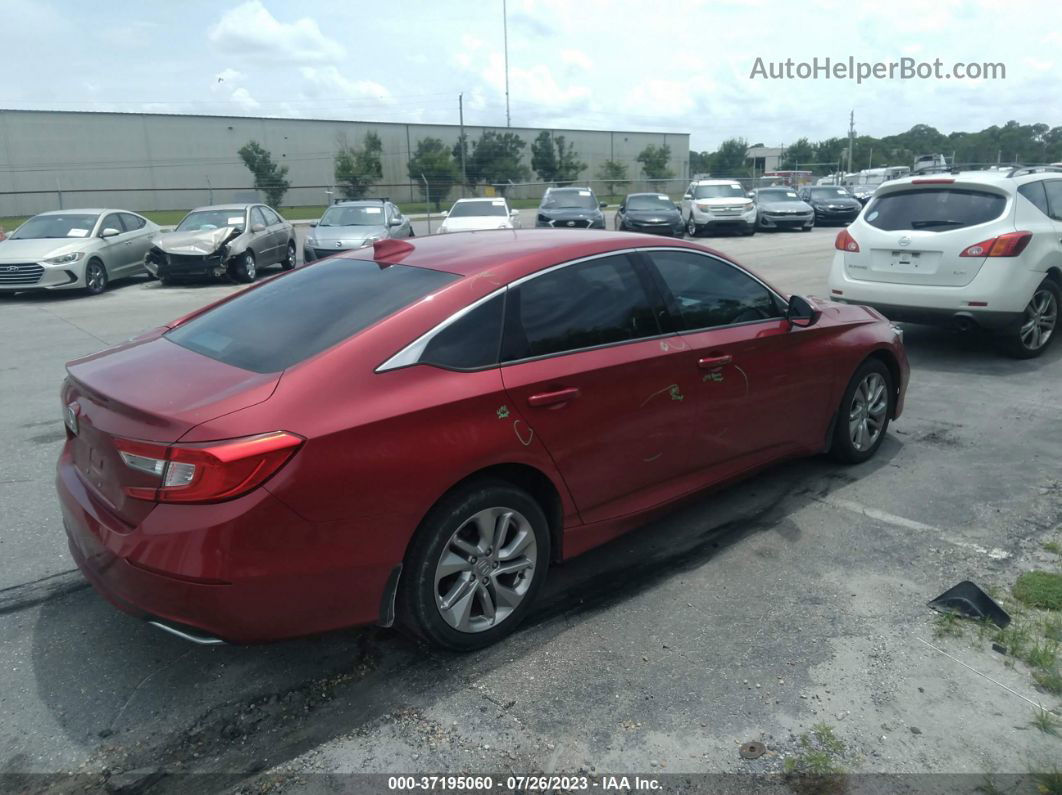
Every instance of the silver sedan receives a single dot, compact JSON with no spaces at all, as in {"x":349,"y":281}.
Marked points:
{"x":75,"y":250}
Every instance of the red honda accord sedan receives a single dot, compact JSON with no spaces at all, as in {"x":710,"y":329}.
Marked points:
{"x":414,"y":431}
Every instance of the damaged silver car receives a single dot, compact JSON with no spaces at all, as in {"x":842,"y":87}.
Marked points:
{"x":234,"y":240}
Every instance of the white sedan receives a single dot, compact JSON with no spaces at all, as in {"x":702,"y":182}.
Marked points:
{"x":75,"y":250}
{"x":468,"y":215}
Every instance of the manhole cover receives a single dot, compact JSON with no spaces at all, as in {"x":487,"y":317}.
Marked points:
{"x":752,"y":750}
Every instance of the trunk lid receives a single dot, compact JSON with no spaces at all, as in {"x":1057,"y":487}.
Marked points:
{"x":152,"y":391}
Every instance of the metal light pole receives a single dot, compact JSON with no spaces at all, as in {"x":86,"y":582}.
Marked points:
{"x":461,"y":118}
{"x":505,"y":33}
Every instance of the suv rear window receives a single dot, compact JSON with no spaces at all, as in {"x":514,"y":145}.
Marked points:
{"x":291,"y":318}
{"x":934,"y":209}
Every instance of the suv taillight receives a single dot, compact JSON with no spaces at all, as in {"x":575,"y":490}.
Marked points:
{"x":208,"y":472}
{"x":845,"y":242}
{"x":1008,"y":245}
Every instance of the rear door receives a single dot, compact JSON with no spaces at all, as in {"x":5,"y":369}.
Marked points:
{"x":760,"y":386}
{"x":915,"y":234}
{"x":278,"y":231}
{"x":594,"y":376}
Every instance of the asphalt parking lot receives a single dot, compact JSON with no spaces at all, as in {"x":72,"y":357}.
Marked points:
{"x":792,"y":599}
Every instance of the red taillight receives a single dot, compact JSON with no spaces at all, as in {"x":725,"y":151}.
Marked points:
{"x":208,"y":472}
{"x":845,"y":242}
{"x":1008,"y":245}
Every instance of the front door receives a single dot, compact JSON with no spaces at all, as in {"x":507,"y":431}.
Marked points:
{"x":586,"y":364}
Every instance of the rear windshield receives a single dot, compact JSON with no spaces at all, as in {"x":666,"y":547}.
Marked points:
{"x":935,"y":209}
{"x":290,"y":319}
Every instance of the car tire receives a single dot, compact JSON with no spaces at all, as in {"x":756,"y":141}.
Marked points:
{"x":692,"y":228}
{"x":95,"y":277}
{"x":244,"y":269}
{"x":807,"y":228}
{"x":749,"y":231}
{"x":289,"y":261}
{"x":1039,"y":324}
{"x":868,"y":399}
{"x":450,"y":557}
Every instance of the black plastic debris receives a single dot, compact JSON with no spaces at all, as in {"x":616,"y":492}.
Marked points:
{"x":966,"y":599}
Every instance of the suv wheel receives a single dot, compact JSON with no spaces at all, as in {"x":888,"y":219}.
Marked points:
{"x":474,"y":567}
{"x":863,"y":416}
{"x":1038,"y":324}
{"x":692,"y":229}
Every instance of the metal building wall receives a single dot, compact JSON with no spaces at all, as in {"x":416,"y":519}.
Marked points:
{"x":170,"y":162}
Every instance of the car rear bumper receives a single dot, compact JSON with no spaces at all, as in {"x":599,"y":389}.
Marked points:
{"x":246,"y":571}
{"x":962,"y":319}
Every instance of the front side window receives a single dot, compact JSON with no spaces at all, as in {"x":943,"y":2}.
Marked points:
{"x":285,"y":321}
{"x":709,"y":292}
{"x":591,"y":303}
{"x":112,"y":222}
{"x":271,"y":217}
{"x":258,"y":217}
{"x":934,"y":210}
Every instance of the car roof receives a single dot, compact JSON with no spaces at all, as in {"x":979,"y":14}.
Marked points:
{"x":480,"y":199}
{"x":509,"y":254}
{"x":647,"y":193}
{"x":567,"y":188}
{"x":359,"y":202}
{"x":239,"y":206}
{"x":716,"y":182}
{"x":85,"y":211}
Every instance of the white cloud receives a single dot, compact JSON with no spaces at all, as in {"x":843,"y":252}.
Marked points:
{"x":250,"y":29}
{"x":329,"y":82}
{"x":577,"y":58}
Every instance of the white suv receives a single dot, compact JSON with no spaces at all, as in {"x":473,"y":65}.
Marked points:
{"x":979,"y":249}
{"x":717,"y":203}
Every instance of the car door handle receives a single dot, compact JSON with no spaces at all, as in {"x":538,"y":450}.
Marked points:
{"x":708,"y":362}
{"x":552,"y":398}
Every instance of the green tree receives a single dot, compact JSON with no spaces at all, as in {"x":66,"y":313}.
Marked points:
{"x":614,"y":174}
{"x":554,"y":159}
{"x":433,"y":161}
{"x":729,"y":159}
{"x":544,"y":157}
{"x":356,"y":169}
{"x":268,"y":176}
{"x":798,"y":155}
{"x":654,"y":160}
{"x":497,"y":158}
{"x":700,"y":163}
{"x":461,"y":147}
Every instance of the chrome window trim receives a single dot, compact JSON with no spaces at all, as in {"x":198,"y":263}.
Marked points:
{"x":411,"y":353}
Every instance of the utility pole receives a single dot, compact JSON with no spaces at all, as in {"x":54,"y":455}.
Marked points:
{"x":505,"y":34}
{"x":851,"y":137}
{"x":461,"y":118}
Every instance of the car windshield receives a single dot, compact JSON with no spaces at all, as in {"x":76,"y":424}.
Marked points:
{"x":473,"y":209}
{"x":367,"y":215}
{"x":290,"y":319}
{"x":570,"y":199}
{"x":934,"y":210}
{"x":776,"y":195}
{"x":830,"y":193}
{"x":718,"y":192}
{"x":649,"y":201}
{"x":205,"y":220}
{"x":46,"y":226}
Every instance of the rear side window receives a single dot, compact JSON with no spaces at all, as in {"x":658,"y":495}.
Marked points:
{"x":579,"y":306}
{"x":1034,"y":192}
{"x":934,"y":209}
{"x":469,"y":342}
{"x":1053,"y":188}
{"x":710,"y":293}
{"x":290,"y":319}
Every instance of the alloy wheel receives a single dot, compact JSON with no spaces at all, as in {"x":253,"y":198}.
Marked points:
{"x":1041,"y":315}
{"x":95,"y":278}
{"x":249,"y":266}
{"x":485,"y":569}
{"x":691,"y":227}
{"x":866,"y":414}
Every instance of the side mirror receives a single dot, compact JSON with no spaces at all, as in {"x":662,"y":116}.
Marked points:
{"x":603,"y":205}
{"x":514,"y":213}
{"x":445,"y":213}
{"x":801,"y":313}
{"x":110,"y":231}
{"x":258,"y":228}
{"x":395,"y":221}
{"x":313,"y":223}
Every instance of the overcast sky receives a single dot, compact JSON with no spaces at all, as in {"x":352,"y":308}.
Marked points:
{"x":669,"y":65}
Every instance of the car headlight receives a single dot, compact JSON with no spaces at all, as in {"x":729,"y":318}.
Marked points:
{"x":65,"y":259}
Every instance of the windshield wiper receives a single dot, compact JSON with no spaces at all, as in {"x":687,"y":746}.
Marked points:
{"x":935,"y":222}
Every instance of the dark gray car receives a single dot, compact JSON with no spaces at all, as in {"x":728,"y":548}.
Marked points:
{"x":782,"y":208}
{"x":833,"y":203}
{"x":354,"y":224}
{"x":570,"y":208}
